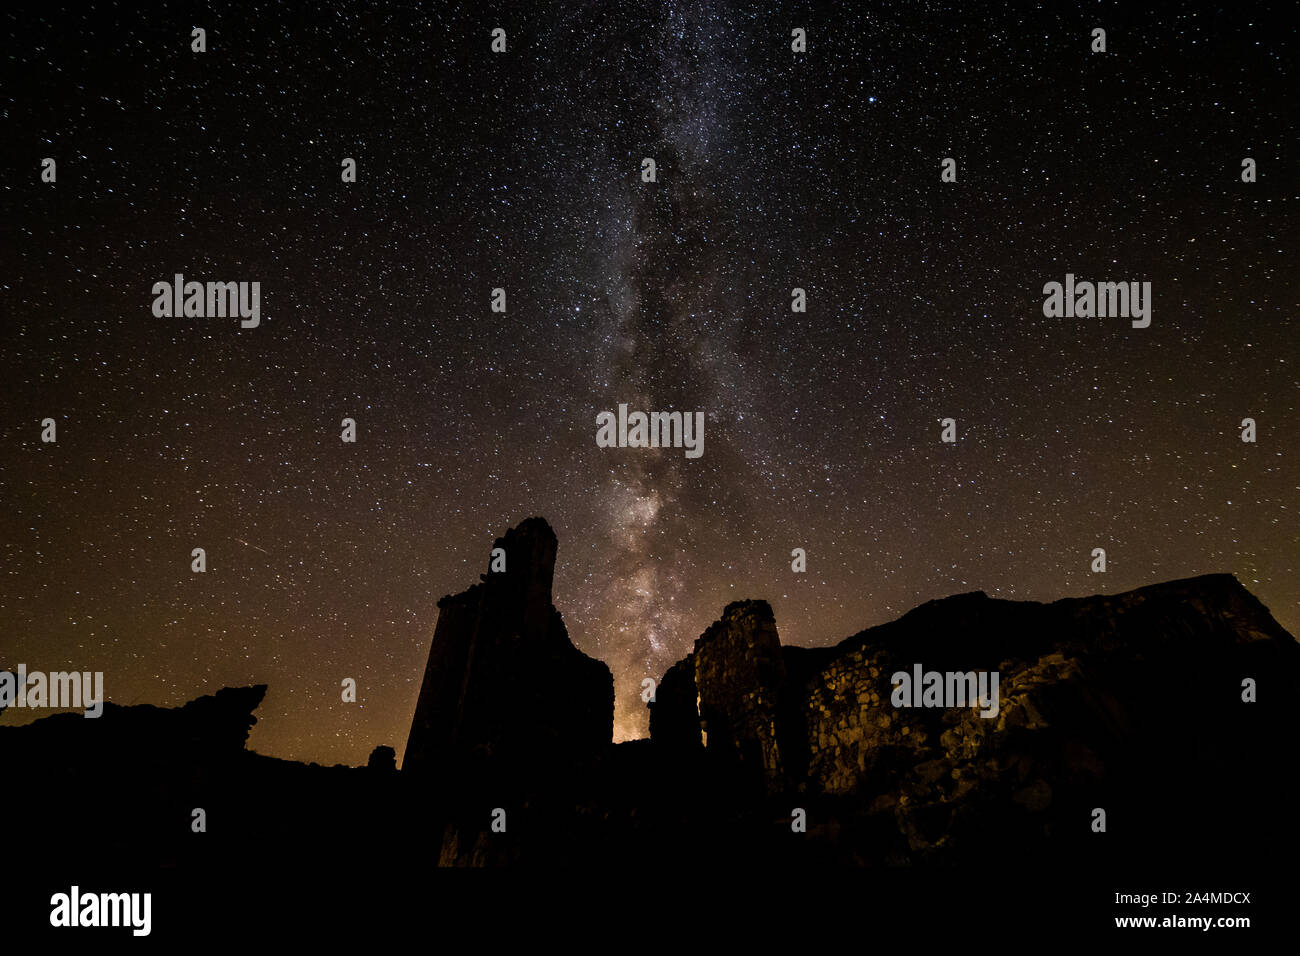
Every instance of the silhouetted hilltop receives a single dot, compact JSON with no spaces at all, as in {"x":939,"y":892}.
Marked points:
{"x":203,"y":731}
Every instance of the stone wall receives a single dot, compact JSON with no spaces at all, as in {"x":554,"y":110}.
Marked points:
{"x":1085,"y":687}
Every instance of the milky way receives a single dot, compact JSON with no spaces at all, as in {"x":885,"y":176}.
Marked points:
{"x":522,"y":171}
{"x":668,"y":345}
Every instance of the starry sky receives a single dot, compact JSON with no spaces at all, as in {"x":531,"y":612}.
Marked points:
{"x":521,"y":170}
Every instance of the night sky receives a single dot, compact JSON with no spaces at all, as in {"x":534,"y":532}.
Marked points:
{"x":522,"y":170}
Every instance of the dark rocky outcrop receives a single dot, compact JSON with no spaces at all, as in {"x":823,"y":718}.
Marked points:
{"x":207,"y":730}
{"x":117,"y":794}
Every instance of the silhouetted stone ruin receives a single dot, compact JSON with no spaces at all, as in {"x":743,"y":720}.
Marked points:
{"x":504,"y":684}
{"x":1094,"y":700}
{"x":1131,"y":702}
{"x":383,"y":758}
{"x":733,"y":692}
